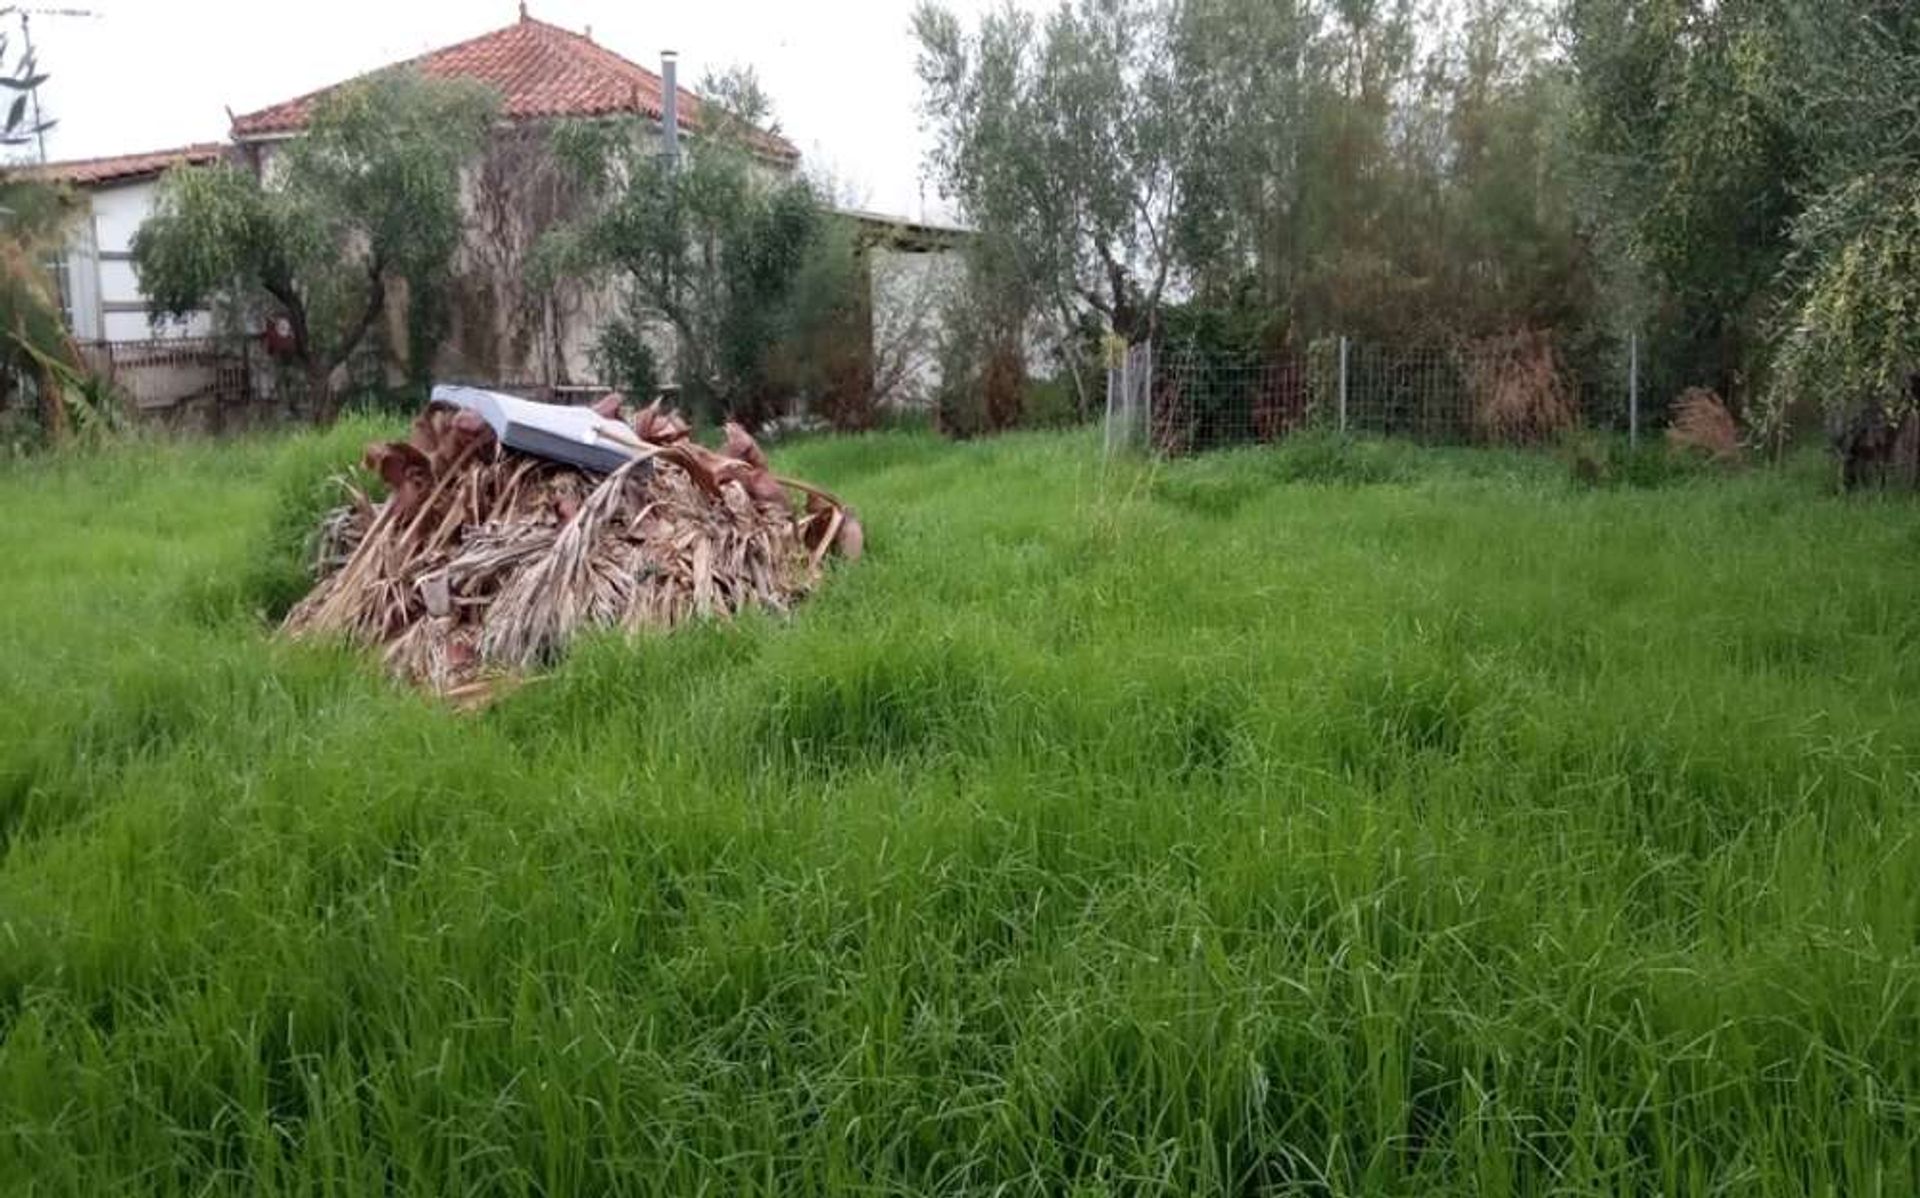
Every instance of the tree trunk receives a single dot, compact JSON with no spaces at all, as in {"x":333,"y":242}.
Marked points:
{"x":322,"y":403}
{"x":1877,"y":449}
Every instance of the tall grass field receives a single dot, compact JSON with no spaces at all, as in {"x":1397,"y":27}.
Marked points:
{"x":1334,"y":820}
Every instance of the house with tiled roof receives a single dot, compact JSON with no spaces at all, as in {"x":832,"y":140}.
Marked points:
{"x":499,"y":330}
{"x":541,"y":72}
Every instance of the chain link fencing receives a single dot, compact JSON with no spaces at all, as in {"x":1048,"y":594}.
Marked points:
{"x":1518,"y":389}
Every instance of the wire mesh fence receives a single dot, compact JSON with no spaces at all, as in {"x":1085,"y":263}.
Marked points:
{"x":1518,"y":389}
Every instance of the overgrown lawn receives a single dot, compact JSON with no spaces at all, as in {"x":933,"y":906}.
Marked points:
{"x":1337,"y":819}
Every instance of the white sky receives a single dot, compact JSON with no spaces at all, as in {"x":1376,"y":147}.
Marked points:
{"x":148,"y":74}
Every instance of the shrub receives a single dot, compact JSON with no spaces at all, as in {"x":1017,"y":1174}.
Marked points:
{"x":625,"y":359}
{"x":983,"y":376}
{"x":1050,"y":403}
{"x":1606,"y":461}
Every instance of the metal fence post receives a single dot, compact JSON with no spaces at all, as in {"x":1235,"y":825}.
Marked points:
{"x":1633,"y":390}
{"x":1146,"y":394}
{"x":1343,"y":384}
{"x":1112,"y":388}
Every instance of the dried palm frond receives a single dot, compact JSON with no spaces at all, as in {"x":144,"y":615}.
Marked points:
{"x":483,"y":560}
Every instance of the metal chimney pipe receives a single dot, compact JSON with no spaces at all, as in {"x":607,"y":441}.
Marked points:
{"x":670,"y":107}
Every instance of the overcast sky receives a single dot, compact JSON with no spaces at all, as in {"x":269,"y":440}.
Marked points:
{"x":148,"y":74}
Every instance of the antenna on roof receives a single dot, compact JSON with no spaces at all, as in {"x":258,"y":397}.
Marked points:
{"x":40,"y":126}
{"x":523,"y":10}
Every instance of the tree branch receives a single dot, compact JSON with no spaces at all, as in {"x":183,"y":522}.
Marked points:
{"x":376,"y":304}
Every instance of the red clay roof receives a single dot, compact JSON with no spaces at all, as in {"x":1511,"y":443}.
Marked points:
{"x":540,"y":70}
{"x":92,"y":172}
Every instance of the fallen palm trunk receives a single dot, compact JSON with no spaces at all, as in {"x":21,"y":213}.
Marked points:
{"x":484,"y":560}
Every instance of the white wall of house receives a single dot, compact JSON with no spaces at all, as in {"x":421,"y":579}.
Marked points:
{"x":907,"y":292}
{"x":78,"y":272}
{"x":104,"y":299}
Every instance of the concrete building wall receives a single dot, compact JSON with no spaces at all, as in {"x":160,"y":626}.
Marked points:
{"x":104,"y":298}
{"x":501,"y":331}
{"x":908,"y":290}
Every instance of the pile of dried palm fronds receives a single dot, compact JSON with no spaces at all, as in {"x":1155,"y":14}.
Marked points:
{"x":483,"y":560}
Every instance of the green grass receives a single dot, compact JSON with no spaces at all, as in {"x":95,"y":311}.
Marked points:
{"x":1331,"y":820}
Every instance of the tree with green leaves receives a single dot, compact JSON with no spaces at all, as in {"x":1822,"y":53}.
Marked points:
{"x":1313,"y":165}
{"x":367,"y":198}
{"x":1071,"y":140}
{"x":714,"y":245}
{"x":1246,"y":68}
{"x":981,"y":347}
{"x":1850,"y":323}
{"x":1750,"y":165}
{"x":1693,"y":165}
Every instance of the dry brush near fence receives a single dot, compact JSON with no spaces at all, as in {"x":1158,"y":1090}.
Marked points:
{"x":1702,"y":424}
{"x":1517,"y":390}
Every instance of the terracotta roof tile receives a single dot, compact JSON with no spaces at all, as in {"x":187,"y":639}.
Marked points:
{"x":540,"y":70}
{"x":91,"y":172}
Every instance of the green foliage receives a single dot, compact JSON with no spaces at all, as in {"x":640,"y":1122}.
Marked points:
{"x":1603,"y":461}
{"x":308,"y":480}
{"x":981,"y":347}
{"x":1731,"y":181}
{"x":1050,"y":403}
{"x":1220,"y":484}
{"x":1067,"y":142}
{"x":1303,"y":165}
{"x":625,"y":358}
{"x":382,"y":400}
{"x":213,"y":228}
{"x":369,"y":194}
{"x":1753,"y":164}
{"x":717,"y":245}
{"x":1190,"y":831}
{"x":1693,"y":164}
{"x":1852,"y":321}
{"x":38,"y":361}
{"x":1242,"y":329}
{"x":41,"y":375}
{"x":823,"y":353}
{"x":1854,"y":334}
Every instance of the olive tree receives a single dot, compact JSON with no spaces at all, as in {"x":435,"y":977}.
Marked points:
{"x":1070,"y":140}
{"x":714,"y":245}
{"x":366,"y":199}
